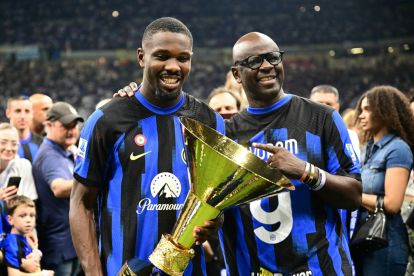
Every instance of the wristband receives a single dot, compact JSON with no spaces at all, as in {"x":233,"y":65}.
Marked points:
{"x":305,"y":173}
{"x":322,"y":182}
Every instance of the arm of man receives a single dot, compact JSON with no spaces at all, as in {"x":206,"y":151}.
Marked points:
{"x":82,"y":227}
{"x":339,"y":191}
{"x":61,"y":187}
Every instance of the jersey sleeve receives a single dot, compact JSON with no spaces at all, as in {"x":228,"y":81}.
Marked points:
{"x":11,"y":252}
{"x":340,"y":154}
{"x":93,"y":151}
{"x":220,"y":127}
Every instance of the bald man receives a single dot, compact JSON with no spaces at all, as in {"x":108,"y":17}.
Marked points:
{"x":297,"y":232}
{"x":41,"y":104}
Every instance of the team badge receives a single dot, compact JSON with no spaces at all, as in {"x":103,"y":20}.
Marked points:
{"x":140,"y":140}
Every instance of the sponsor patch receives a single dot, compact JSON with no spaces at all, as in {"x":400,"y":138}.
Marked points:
{"x":351,"y":152}
{"x":83,"y":145}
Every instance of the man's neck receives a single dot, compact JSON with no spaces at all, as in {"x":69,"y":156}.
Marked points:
{"x":265,"y":103}
{"x":24,"y":133}
{"x":149,"y":94}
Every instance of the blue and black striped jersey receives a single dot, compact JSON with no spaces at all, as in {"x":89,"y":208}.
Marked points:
{"x":133,"y":151}
{"x":293,"y":233}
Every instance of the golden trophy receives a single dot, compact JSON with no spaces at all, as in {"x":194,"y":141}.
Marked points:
{"x":222,"y":174}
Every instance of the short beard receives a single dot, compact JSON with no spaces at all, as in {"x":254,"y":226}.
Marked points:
{"x":166,"y":96}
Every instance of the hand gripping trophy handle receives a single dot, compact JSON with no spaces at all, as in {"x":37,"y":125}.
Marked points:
{"x":222,"y":174}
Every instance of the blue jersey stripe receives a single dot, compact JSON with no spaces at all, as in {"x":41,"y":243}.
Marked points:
{"x":220,"y":126}
{"x":82,"y":163}
{"x":33,"y":149}
{"x":242,"y":259}
{"x":334,"y":240}
{"x":313,"y":148}
{"x":114,"y":207}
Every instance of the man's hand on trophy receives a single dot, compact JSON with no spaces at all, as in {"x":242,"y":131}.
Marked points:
{"x":202,"y":233}
{"x":283,"y":160}
{"x":127,"y":91}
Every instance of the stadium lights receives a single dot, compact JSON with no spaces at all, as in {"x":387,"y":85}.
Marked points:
{"x":357,"y":51}
{"x":406,"y":47}
{"x":317,"y":8}
{"x":332,"y":53}
{"x":390,"y":50}
{"x":115,"y":14}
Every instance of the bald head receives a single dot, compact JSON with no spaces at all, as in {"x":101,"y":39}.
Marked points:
{"x":40,"y":98}
{"x":41,"y":104}
{"x":251,"y":44}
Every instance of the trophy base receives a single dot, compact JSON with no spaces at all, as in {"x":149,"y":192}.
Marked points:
{"x":171,"y":257}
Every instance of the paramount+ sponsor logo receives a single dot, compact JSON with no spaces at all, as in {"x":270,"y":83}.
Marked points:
{"x":163,"y":185}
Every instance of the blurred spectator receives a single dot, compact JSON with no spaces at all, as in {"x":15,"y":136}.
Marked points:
{"x":329,"y":95}
{"x":386,"y":119}
{"x":41,"y":104}
{"x":224,"y":102}
{"x":53,"y":173}
{"x":232,"y":85}
{"x":11,"y":165}
{"x":20,"y":113}
{"x":83,"y":83}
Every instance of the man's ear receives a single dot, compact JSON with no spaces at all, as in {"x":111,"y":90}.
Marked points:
{"x":236,"y":74}
{"x":10,"y":220}
{"x":140,"y":57}
{"x":8,"y":113}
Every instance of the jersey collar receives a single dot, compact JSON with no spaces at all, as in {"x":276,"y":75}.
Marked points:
{"x":267,"y":109}
{"x":156,"y":109}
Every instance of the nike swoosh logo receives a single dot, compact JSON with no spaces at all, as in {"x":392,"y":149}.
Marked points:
{"x":136,"y":157}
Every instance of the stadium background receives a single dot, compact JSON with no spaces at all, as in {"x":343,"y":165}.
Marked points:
{"x":81,"y":51}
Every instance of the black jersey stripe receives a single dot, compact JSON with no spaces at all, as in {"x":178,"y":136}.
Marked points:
{"x":250,"y":240}
{"x":230,"y":242}
{"x":166,"y":143}
{"x":130,"y":191}
{"x":324,"y":258}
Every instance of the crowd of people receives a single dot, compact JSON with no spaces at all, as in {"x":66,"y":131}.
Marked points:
{"x":83,"y":83}
{"x":81,"y":24}
{"x":88,"y":185}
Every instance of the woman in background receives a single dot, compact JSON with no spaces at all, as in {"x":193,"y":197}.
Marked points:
{"x":387,"y":123}
{"x":11,"y":165}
